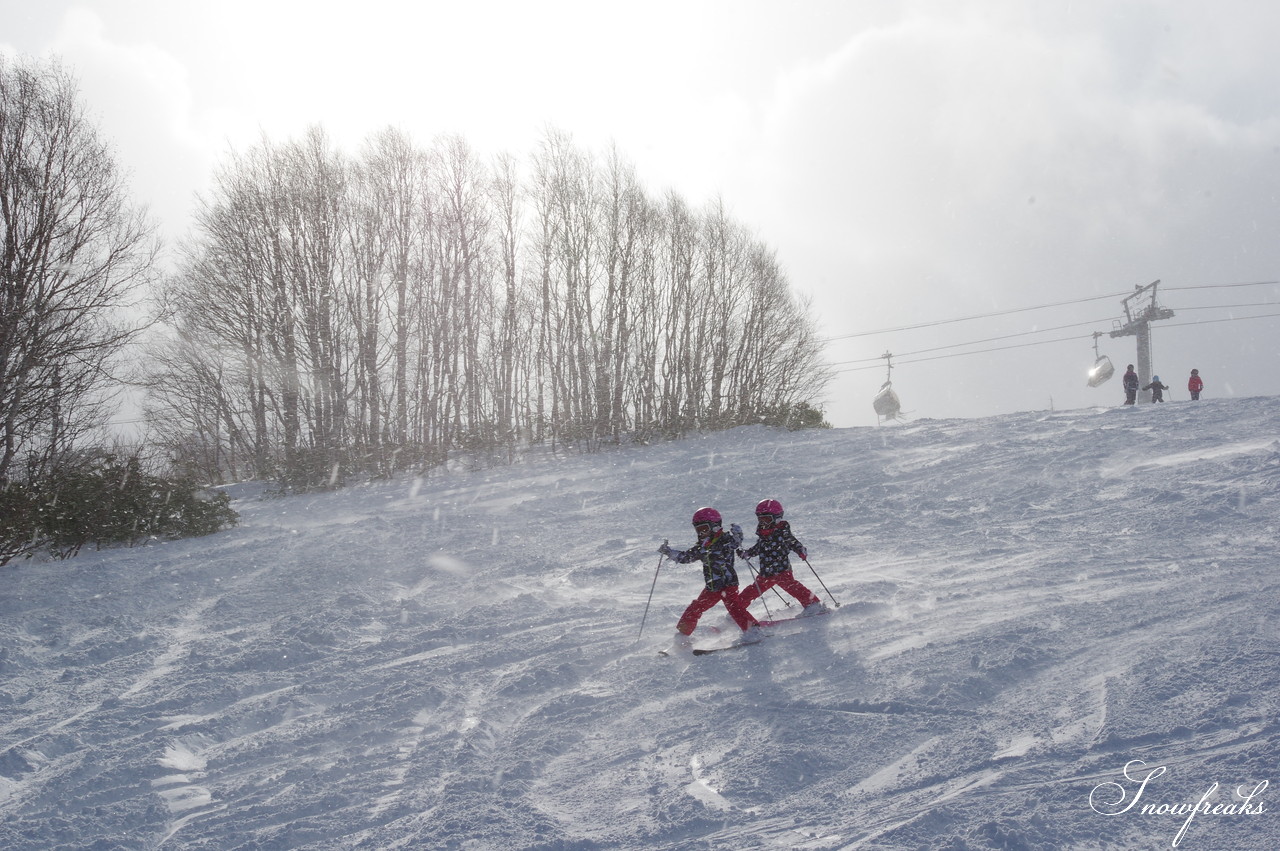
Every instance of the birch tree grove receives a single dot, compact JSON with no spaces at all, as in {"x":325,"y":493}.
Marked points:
{"x":411,"y":307}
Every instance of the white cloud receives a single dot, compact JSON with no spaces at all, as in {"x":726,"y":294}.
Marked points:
{"x":140,"y":95}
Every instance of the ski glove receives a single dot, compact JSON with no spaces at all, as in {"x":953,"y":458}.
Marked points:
{"x":742,"y":553}
{"x":736,"y":530}
{"x":804,"y":556}
{"x":665,"y":549}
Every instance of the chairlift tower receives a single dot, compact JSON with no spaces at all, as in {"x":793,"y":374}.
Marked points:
{"x":1138,"y":324}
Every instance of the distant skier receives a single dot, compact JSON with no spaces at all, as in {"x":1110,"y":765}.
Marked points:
{"x":1157,"y":389}
{"x":1195,"y":384}
{"x":773,"y":544}
{"x":716,"y":550}
{"x":1131,"y":383}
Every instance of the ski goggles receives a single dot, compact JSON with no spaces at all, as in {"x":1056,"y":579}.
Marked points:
{"x":765,"y":519}
{"x":702,"y":528}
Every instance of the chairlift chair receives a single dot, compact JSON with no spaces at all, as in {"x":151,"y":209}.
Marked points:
{"x":1102,"y":367}
{"x":1101,"y":371}
{"x":887,"y":404}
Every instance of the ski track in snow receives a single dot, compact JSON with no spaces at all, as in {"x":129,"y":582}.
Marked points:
{"x":1028,"y":603}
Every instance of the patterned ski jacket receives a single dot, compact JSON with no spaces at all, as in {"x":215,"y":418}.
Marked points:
{"x":773,"y":546}
{"x":717,"y":557}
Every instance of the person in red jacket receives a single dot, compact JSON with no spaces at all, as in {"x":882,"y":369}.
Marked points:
{"x":1195,"y":384}
{"x":773,"y":544}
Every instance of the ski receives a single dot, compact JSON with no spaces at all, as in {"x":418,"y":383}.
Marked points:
{"x":776,"y":621}
{"x":703,"y":651}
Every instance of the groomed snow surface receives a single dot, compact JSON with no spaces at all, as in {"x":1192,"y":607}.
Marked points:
{"x":1028,"y":604}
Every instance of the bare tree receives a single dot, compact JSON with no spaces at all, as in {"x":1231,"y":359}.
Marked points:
{"x":75,"y":252}
{"x":227,"y":295}
{"x":365,"y":285}
{"x":647,"y":329}
{"x":461,"y":241}
{"x":504,"y":191}
{"x":625,"y":219}
{"x":389,"y":223}
{"x":685,"y":302}
{"x":723,"y":247}
{"x":314,"y":180}
{"x":197,"y":409}
{"x":568,"y":241}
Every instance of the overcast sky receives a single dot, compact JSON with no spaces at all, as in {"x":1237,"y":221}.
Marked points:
{"x":911,"y":162}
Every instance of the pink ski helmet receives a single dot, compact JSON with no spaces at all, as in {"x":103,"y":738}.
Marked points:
{"x":706,"y":515}
{"x":769,"y":506}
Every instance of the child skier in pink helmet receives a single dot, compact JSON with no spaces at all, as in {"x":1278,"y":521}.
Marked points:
{"x":716,"y":550}
{"x":773,"y":544}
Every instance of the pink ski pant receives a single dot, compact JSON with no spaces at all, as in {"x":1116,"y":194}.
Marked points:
{"x":707,"y":599}
{"x":789,"y":584}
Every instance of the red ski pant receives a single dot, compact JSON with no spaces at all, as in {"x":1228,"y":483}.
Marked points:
{"x":785,"y":579}
{"x":707,"y":599}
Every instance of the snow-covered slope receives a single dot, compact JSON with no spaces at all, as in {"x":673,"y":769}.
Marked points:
{"x":1028,"y":604}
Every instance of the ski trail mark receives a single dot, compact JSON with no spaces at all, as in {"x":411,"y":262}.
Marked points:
{"x":183,"y":797}
{"x":406,"y":745}
{"x":181,"y":637}
{"x":702,"y":791}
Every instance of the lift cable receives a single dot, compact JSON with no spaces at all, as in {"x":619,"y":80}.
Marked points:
{"x":1227,"y":306}
{"x":1027,"y":345}
{"x":962,"y":354}
{"x":978,"y":342}
{"x":1225,"y":286}
{"x":1037,"y":307}
{"x":969,"y":318}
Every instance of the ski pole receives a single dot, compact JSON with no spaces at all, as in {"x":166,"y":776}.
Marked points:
{"x":755,"y":578}
{"x":651,"y":587}
{"x":820,"y":582}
